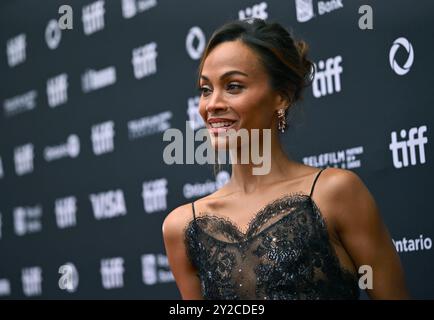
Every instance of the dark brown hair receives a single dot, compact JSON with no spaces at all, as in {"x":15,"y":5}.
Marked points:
{"x":284,"y":58}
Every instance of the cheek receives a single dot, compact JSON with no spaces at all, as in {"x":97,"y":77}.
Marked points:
{"x":202,"y":110}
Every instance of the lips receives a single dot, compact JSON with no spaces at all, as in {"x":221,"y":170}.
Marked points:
{"x":222,"y":125}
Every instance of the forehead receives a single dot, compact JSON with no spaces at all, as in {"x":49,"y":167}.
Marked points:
{"x":231,"y":55}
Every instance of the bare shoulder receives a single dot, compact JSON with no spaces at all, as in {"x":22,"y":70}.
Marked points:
{"x":340,"y":181}
{"x":344,"y":197}
{"x":341,"y":185}
{"x":176,"y":221}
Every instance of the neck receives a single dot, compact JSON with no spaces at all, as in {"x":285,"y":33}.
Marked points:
{"x":245,"y":181}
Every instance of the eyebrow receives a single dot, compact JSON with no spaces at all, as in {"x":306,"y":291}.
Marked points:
{"x":227,"y":74}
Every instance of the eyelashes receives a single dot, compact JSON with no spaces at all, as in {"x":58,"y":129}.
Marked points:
{"x":231,"y":86}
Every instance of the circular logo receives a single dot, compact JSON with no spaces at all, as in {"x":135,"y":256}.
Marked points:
{"x":398,"y":43}
{"x":195,"y":51}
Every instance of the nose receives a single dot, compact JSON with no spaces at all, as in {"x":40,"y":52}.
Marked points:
{"x":216,"y":104}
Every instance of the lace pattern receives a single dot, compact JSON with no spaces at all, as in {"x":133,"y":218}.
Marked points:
{"x":285,"y":253}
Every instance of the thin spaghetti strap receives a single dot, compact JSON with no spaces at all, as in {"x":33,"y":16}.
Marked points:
{"x":313,"y":185}
{"x":194,"y":214}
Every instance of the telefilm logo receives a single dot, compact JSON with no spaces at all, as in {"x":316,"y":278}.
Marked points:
{"x":345,"y":158}
{"x":247,"y":151}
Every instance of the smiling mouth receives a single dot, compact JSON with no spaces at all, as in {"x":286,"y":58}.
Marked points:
{"x":221,"y":127}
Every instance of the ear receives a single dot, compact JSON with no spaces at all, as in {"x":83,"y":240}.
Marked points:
{"x":282,"y":100}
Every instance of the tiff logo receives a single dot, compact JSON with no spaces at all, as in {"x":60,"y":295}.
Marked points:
{"x":16,"y":50}
{"x":27,"y":220}
{"x":144,"y":60}
{"x":31,"y":279}
{"x":131,"y":7}
{"x":112,"y":273}
{"x":93,"y":17}
{"x":155,"y":269}
{"x":65,"y":210}
{"x":195,"y":119}
{"x":57,"y":92}
{"x":327,"y":77}
{"x":154,"y":195}
{"x":401,"y":149}
{"x":102,"y":137}
{"x":108,"y":204}
{"x":23,"y":159}
{"x":256,"y":11}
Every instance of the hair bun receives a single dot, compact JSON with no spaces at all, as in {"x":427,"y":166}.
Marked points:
{"x":308,"y":68}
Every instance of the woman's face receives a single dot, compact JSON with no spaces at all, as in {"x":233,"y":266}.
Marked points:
{"x":235,"y":87}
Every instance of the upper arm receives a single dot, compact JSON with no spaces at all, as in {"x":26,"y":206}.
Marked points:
{"x":364,"y":235}
{"x":183,"y":271}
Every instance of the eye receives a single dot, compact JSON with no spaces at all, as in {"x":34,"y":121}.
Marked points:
{"x":234,"y":86}
{"x":203,"y":90}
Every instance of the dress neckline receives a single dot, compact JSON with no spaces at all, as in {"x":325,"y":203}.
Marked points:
{"x":289,"y":199}
{"x":286,"y":200}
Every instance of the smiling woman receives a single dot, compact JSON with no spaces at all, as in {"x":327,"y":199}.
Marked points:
{"x":271,"y":236}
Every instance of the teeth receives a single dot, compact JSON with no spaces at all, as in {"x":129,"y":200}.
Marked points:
{"x":220,"y":124}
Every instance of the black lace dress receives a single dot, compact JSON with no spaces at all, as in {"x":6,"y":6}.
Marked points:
{"x":284,"y":254}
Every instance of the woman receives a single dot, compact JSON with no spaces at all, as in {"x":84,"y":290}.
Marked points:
{"x":265,"y":236}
